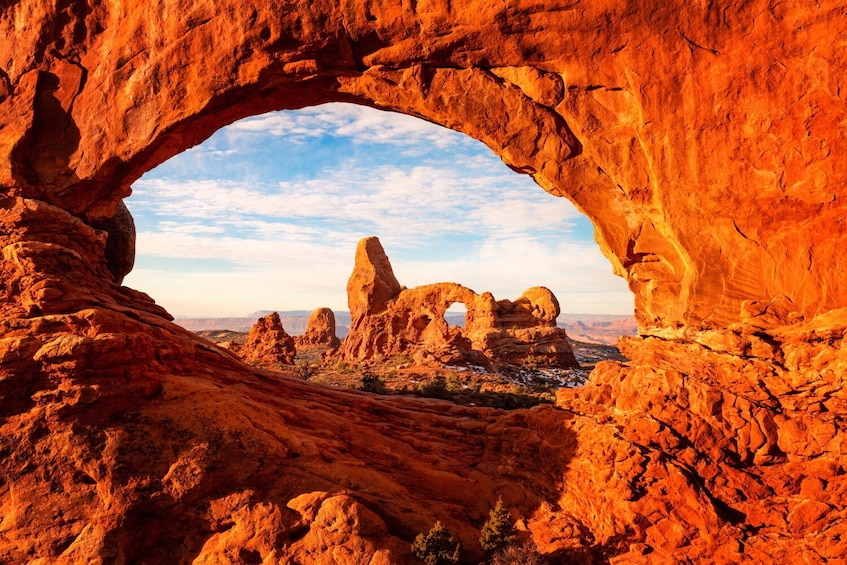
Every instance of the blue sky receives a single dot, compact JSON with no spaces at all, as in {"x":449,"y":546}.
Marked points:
{"x":266,"y":214}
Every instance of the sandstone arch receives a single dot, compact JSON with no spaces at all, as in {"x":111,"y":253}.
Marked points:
{"x":727,"y":441}
{"x":388,"y":319}
{"x":689,"y":260}
{"x":375,"y":328}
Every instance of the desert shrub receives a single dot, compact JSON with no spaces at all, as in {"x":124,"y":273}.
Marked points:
{"x":542,"y":389}
{"x":435,"y":387}
{"x":535,"y":362}
{"x":518,"y":554}
{"x":454,"y":384}
{"x":498,"y":532}
{"x":438,"y":547}
{"x":401,"y":359}
{"x":344,"y":368}
{"x":371,"y":382}
{"x":307,"y":370}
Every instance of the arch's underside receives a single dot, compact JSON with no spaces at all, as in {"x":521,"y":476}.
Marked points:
{"x":706,"y":143}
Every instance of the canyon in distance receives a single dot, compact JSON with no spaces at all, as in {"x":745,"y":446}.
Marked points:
{"x":705,"y":143}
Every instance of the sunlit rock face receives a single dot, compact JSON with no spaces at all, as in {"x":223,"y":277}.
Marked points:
{"x":389,"y":320}
{"x":320,"y":330}
{"x":704,"y":140}
{"x":267,"y":343}
{"x":682,"y":131}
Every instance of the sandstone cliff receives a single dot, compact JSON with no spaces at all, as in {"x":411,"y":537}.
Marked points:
{"x":704,"y":140}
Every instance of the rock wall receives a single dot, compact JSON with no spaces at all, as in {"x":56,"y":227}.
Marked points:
{"x":704,"y":141}
{"x":388,"y":320}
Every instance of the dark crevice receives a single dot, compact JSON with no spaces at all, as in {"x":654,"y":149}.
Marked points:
{"x":696,"y":46}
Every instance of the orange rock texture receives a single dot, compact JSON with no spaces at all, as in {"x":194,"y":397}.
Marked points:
{"x":704,"y":140}
{"x":267,"y":343}
{"x":320,"y":330}
{"x":388,"y":319}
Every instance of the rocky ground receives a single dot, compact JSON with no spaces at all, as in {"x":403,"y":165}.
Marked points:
{"x":500,"y":386}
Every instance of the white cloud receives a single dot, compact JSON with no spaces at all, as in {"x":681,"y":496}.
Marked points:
{"x":346,"y":120}
{"x":303,"y":276}
{"x":412,"y":204}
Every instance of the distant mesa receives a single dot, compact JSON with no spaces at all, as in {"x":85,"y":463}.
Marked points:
{"x":320,"y":330}
{"x":388,"y":319}
{"x":267,"y":343}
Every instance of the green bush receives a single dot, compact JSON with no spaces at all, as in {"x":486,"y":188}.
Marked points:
{"x":498,"y":532}
{"x":454,"y":384}
{"x":438,"y":547}
{"x":307,"y":370}
{"x":434,"y":388}
{"x":372,"y":383}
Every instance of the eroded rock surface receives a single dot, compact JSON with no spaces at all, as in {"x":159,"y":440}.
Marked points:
{"x":705,"y":142}
{"x":388,"y":319}
{"x":320,"y":330}
{"x":755,"y":434}
{"x":267,"y":343}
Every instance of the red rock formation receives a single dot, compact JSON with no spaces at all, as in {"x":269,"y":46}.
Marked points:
{"x":755,"y":437}
{"x":267,"y":343}
{"x":372,"y":283}
{"x":582,"y":98}
{"x":320,"y":330}
{"x":388,"y":320}
{"x":705,"y":142}
{"x":521,"y":330}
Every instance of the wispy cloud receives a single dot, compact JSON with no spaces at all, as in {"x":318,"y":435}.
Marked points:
{"x":413,"y":205}
{"x":306,"y":276}
{"x":345,"y":120}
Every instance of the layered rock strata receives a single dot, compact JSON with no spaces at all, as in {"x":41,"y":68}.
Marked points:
{"x":388,"y":319}
{"x":703,"y":140}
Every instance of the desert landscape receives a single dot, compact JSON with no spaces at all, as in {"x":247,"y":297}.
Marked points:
{"x":706,"y":145}
{"x":502,"y":354}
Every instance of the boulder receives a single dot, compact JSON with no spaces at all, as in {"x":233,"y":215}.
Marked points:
{"x":267,"y":343}
{"x":320,"y":330}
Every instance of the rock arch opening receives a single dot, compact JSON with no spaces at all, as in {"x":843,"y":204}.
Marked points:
{"x":267,"y":212}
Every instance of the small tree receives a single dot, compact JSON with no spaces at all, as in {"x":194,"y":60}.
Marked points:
{"x":438,"y":547}
{"x":372,"y":383}
{"x":435,"y":387}
{"x":499,"y":531}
